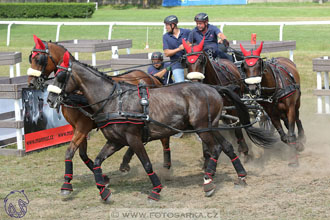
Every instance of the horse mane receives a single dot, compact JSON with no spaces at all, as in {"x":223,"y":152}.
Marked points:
{"x":57,"y":44}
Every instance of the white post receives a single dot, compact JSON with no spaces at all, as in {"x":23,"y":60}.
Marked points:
{"x":96,"y":5}
{"x":114,"y":50}
{"x":115,"y":55}
{"x":326,"y":87}
{"x":18,"y":69}
{"x":93,"y":59}
{"x":110,"y":31}
{"x":18,"y":130}
{"x":11,"y":71}
{"x":76,"y":55}
{"x":8,"y":33}
{"x":281,"y":32}
{"x":319,"y":87}
{"x":221,"y":27}
{"x":58,"y":32}
{"x":147,"y":40}
{"x":164,"y":32}
{"x":291,"y":55}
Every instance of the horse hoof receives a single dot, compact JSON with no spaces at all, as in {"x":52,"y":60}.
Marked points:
{"x":293,"y":164}
{"x":240,"y":183}
{"x":300,"y":147}
{"x":125,"y":168}
{"x":107,"y":200}
{"x":210,"y":193}
{"x":302,"y":139}
{"x":209,"y":189}
{"x":65,"y":192}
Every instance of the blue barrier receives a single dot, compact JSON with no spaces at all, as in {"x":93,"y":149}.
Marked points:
{"x":170,"y":3}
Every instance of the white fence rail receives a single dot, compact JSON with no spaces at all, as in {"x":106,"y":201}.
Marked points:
{"x":111,"y":24}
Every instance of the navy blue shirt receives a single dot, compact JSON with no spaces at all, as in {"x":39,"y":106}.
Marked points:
{"x":211,"y":37}
{"x":152,"y":71}
{"x":171,"y":42}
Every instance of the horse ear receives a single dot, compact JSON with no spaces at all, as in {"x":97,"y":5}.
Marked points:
{"x":39,"y":44}
{"x":66,"y":58}
{"x":245,"y":53}
{"x":258,"y":51}
{"x":199,"y":47}
{"x":185,"y":45}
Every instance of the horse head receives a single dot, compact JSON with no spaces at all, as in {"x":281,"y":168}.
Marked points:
{"x":57,"y":91}
{"x":44,"y":58}
{"x":253,"y":67}
{"x":195,"y":60}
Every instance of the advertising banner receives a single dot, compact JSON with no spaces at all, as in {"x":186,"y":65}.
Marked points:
{"x":43,"y":126}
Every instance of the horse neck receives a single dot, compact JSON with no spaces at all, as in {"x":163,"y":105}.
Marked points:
{"x":93,"y":87}
{"x":57,"y":52}
{"x":210,"y":73}
{"x":268,"y":78}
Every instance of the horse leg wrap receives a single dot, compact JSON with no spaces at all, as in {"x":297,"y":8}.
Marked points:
{"x":67,"y":176}
{"x":167,"y":158}
{"x":292,"y":139}
{"x":89,"y":163}
{"x":100,"y":184}
{"x":105,"y":193}
{"x":212,"y":166}
{"x":99,"y":178}
{"x":154,"y":195}
{"x":238,"y":167}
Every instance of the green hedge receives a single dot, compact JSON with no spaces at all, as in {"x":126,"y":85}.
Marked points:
{"x":53,"y":10}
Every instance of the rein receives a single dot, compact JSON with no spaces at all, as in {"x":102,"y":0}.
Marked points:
{"x":134,"y":67}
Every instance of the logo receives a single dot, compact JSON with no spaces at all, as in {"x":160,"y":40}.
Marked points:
{"x":16,"y":204}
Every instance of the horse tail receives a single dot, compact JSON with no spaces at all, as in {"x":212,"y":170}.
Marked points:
{"x":258,"y":136}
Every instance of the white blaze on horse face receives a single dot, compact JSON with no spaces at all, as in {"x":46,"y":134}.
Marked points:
{"x":253,"y":80}
{"x":195,"y":75}
{"x":54,"y":89}
{"x":33,"y":72}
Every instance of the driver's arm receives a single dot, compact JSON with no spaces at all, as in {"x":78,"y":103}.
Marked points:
{"x":171,"y":52}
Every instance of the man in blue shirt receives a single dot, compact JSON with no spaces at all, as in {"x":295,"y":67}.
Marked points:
{"x":172,"y":45}
{"x":213,"y":36}
{"x":159,"y":69}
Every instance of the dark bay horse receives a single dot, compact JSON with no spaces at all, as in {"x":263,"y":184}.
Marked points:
{"x":44,"y":60}
{"x":277,"y":83}
{"x":223,"y":73}
{"x":123,"y":110}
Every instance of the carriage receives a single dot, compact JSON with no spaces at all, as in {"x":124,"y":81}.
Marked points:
{"x":203,"y":118}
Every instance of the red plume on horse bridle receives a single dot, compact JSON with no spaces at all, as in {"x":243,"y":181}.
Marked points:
{"x":196,"y":48}
{"x":251,"y":61}
{"x":65,"y":62}
{"x":39,"y":45}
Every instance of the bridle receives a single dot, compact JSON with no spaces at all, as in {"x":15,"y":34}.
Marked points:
{"x":253,"y":83}
{"x":262,"y":64}
{"x":43,"y":61}
{"x":200,"y":55}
